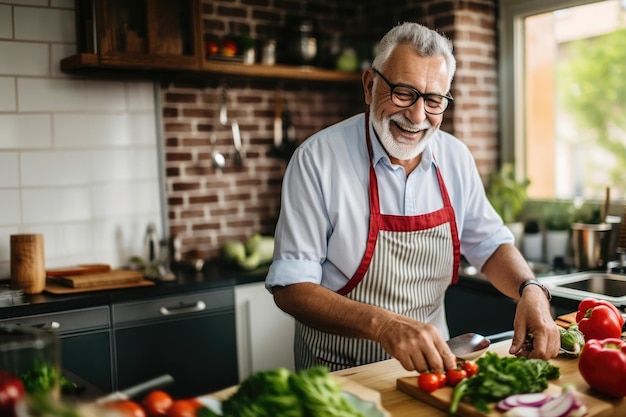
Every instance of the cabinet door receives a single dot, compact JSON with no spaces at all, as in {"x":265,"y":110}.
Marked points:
{"x":85,"y":341}
{"x":478,"y":310}
{"x":141,"y":33}
{"x":192,"y":338}
{"x":264,"y":332}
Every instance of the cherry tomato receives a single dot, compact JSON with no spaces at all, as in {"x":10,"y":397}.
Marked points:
{"x":183,"y":408}
{"x":428,"y":381}
{"x":455,"y":376}
{"x":156,"y":403}
{"x":443,"y":379}
{"x":127,"y":408}
{"x":469,"y":367}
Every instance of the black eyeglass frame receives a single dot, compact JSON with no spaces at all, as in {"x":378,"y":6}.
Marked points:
{"x":418,"y":94}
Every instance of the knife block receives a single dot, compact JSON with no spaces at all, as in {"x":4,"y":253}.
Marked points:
{"x":28,"y":269}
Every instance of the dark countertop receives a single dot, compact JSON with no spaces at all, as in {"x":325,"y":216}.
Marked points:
{"x":214,"y":275}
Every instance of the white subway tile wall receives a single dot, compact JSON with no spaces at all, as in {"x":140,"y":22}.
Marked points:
{"x":78,"y":158}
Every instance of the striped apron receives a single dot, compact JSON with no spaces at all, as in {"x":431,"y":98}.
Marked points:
{"x":408,"y":264}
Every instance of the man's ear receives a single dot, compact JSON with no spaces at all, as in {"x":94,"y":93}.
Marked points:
{"x":367,"y":78}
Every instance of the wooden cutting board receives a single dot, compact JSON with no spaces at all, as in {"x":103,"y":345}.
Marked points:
{"x":598,"y":405}
{"x":77,"y":270}
{"x":112,"y":277}
{"x":442,"y":397}
{"x":53,"y":287}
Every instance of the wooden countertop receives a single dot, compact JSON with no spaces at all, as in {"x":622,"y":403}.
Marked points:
{"x":382,"y":376}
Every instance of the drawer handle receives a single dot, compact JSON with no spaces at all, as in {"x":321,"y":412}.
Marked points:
{"x":198,"y":306}
{"x":53,"y":325}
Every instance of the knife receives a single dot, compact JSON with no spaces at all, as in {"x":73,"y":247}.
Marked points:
{"x":128,"y":393}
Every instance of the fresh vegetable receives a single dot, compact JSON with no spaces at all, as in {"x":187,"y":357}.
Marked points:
{"x":126,"y":408}
{"x":602,"y":364}
{"x":156,"y":403}
{"x":183,"y":408}
{"x":11,"y":393}
{"x":499,"y":377}
{"x":256,"y":251}
{"x":312,"y":392}
{"x":233,"y":251}
{"x":564,"y":404}
{"x":429,"y":381}
{"x":572,"y":341}
{"x":469,"y":367}
{"x":43,"y":378}
{"x":599,"y":319}
{"x":443,"y":379}
{"x":455,"y":375}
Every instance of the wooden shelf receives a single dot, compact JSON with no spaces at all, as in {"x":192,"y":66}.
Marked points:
{"x":284,"y":72}
{"x":92,"y":64}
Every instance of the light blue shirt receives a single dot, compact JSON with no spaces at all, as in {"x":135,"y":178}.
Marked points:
{"x":322,"y":229}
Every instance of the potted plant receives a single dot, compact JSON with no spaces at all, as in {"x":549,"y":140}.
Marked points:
{"x":508,"y":195}
{"x":557,"y":222}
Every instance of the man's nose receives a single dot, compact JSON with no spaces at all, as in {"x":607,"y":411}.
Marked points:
{"x":416,"y":112}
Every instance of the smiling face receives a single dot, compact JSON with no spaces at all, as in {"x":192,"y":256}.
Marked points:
{"x":404,"y":132}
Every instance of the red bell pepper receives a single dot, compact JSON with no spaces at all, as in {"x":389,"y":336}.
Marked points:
{"x":602,"y":364}
{"x":598,"y":319}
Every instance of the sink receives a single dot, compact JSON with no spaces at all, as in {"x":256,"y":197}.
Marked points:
{"x":581,"y":285}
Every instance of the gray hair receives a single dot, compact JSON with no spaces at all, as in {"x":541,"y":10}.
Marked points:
{"x":423,"y":40}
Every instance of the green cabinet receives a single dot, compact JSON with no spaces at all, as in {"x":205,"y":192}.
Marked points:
{"x":191,"y":337}
{"x":85,"y":341}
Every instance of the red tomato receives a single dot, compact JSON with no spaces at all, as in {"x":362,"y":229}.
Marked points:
{"x":469,"y":367}
{"x":455,"y":376}
{"x":183,"y":408}
{"x":126,"y":408}
{"x":156,"y":403}
{"x":11,"y":393}
{"x":443,"y":379}
{"x":428,"y":381}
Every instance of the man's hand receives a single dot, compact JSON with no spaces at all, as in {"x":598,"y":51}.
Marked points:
{"x":533,"y":321}
{"x":417,"y":346}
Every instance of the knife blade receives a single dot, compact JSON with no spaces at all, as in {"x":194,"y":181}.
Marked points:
{"x":130,"y":392}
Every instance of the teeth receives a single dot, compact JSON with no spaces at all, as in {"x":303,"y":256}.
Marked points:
{"x":407,"y":128}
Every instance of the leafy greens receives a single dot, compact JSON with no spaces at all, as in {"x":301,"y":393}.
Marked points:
{"x":279,"y":392}
{"x":498,"y":377}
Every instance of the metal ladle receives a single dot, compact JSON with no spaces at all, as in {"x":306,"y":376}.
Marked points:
{"x":219,"y":160}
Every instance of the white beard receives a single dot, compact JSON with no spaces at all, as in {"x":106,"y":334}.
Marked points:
{"x":398,"y":148}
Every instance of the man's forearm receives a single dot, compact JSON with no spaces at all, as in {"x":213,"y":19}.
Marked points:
{"x":325,"y":310}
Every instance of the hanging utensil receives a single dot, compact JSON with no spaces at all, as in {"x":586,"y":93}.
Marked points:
{"x":278,"y":121}
{"x":223,"y":112}
{"x":237,"y":158}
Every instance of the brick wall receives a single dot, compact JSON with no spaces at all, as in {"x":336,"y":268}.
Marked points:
{"x":208,"y":206}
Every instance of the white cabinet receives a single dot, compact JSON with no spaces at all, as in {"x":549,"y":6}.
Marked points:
{"x":264,"y":332}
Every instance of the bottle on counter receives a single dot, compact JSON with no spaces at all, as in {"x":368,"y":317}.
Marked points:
{"x":151,"y":250}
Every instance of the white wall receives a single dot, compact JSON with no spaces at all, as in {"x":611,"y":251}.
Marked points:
{"x":78,"y":158}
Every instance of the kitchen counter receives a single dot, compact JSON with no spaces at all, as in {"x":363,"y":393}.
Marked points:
{"x":213,"y":275}
{"x":382,"y":377}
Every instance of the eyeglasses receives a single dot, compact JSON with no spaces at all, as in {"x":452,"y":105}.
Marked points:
{"x":405,"y":96}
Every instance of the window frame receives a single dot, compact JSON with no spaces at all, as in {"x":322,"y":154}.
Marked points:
{"x":511,"y":69}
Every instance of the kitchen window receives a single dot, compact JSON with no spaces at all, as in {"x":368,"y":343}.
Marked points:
{"x":563,"y":95}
